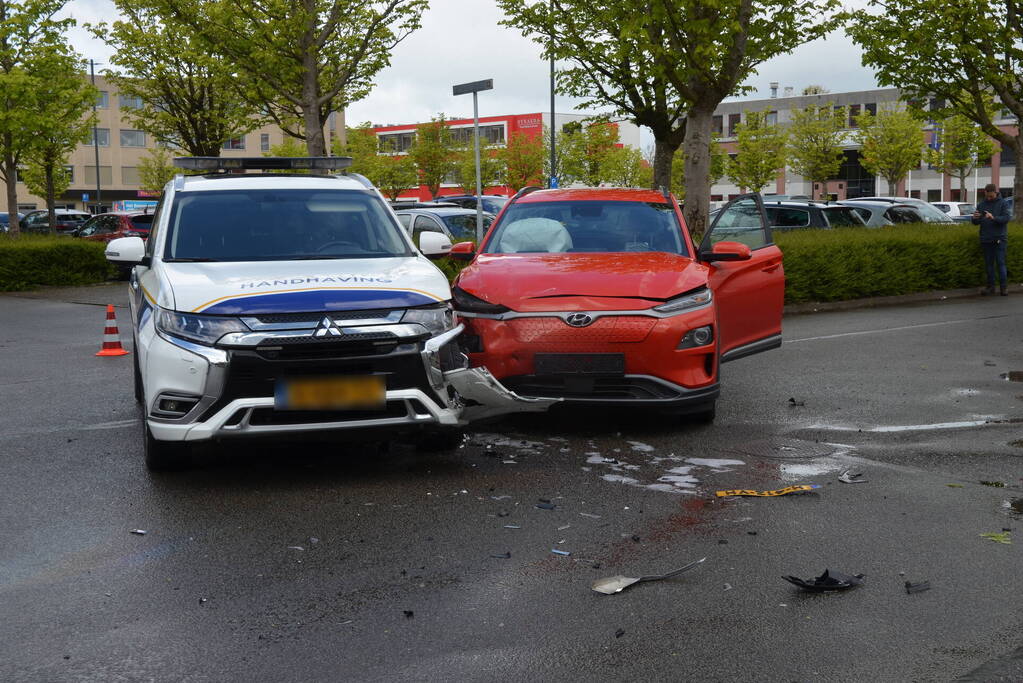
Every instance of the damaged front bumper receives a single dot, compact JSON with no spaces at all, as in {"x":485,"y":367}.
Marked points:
{"x":482,"y":396}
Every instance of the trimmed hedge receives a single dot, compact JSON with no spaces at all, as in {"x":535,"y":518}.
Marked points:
{"x":27,"y":261}
{"x":854,"y":263}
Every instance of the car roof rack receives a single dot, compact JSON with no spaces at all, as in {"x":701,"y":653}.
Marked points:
{"x":262,"y":163}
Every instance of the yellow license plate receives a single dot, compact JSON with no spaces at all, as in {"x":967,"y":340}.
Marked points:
{"x":331,"y":393}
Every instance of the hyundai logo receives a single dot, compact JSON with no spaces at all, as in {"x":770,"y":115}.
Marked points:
{"x":579,"y":320}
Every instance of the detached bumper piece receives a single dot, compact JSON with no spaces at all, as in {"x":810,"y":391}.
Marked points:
{"x":828,"y":581}
{"x":483,"y":396}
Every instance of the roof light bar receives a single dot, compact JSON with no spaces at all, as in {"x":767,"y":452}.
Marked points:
{"x":261,"y":163}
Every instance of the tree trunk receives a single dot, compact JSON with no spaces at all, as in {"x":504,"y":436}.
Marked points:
{"x":962,"y":188}
{"x":10,"y":171}
{"x":51,"y":210}
{"x":664,"y":155}
{"x":892,"y":186}
{"x":697,"y":168}
{"x":315,"y":144}
{"x":1017,"y":184}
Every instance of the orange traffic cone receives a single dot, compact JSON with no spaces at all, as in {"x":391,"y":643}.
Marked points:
{"x":111,"y":337}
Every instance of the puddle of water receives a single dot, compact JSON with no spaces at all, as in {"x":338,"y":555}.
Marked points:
{"x":908,"y":428}
{"x":640,"y":446}
{"x":965,"y":392}
{"x":1014,"y":506}
{"x":619,"y":479}
{"x":802,"y":470}
{"x":715,"y":464}
{"x":485,"y":439}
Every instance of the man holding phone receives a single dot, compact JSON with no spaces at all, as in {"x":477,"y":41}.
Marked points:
{"x":992,"y":215}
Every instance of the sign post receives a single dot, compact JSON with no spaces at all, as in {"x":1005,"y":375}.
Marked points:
{"x":474,"y":88}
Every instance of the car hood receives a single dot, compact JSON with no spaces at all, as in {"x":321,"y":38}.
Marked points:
{"x":304,"y":286}
{"x":554,"y":282}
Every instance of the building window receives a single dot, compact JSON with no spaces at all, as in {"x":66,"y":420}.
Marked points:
{"x":493,"y":134}
{"x":934,"y":195}
{"x":100,"y":134}
{"x":132,"y":138}
{"x":1008,"y":156}
{"x":264,"y":142}
{"x":716,"y":125}
{"x":771,"y":118}
{"x":733,"y":121}
{"x":235,"y":143}
{"x":854,"y":113}
{"x":69,"y":171}
{"x":106,"y":176}
{"x":396,"y":142}
{"x":103,"y":100}
{"x":870,"y":108}
{"x":25,"y":208}
{"x":130,"y":175}
{"x":130,"y":101}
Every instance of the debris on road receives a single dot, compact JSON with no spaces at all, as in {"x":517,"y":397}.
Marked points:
{"x":590,"y":515}
{"x":546,"y":505}
{"x":619,"y":633}
{"x":562,"y":528}
{"x":995,"y":484}
{"x":728,"y":586}
{"x":802,"y":488}
{"x":512,"y":526}
{"x":1002,"y":538}
{"x":139,"y":532}
{"x":295,"y":547}
{"x":502,"y":556}
{"x":990,"y":363}
{"x":828,"y":581}
{"x":409,"y":613}
{"x":917,"y":587}
{"x":616,"y":584}
{"x":560,"y":552}
{"x":850,"y":477}
{"x":954,"y":486}
{"x":499,"y":497}
{"x":796,"y":404}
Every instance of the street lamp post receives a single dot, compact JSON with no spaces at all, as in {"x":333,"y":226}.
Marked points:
{"x":95,"y":139}
{"x":553,"y":182}
{"x":475,"y":87}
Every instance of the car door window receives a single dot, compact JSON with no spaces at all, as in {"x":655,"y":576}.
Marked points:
{"x":405,"y":220}
{"x":89,"y":227}
{"x":107,"y":225}
{"x":841,"y":217}
{"x":902,"y":214}
{"x":742,"y":220}
{"x":781,"y":217}
{"x":424,"y":224}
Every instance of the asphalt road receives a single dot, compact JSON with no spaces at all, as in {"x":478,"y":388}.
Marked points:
{"x":322,"y":560}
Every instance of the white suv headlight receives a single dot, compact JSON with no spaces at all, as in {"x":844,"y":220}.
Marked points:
{"x":204,"y":329}
{"x":696,"y":299}
{"x":437,"y":319}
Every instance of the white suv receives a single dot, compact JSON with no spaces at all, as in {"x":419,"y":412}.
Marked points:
{"x":272,"y":304}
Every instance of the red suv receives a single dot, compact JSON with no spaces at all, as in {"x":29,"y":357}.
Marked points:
{"x":600,"y":296}
{"x":111,"y":226}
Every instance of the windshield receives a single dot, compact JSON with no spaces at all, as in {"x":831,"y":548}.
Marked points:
{"x":493,"y":205}
{"x":142,"y":222}
{"x":841,"y":217}
{"x":281,"y":225}
{"x":463,"y":226}
{"x":587,"y":226}
{"x":931,"y":214}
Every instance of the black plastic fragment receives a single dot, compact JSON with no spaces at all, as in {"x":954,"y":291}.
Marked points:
{"x":619,"y":633}
{"x":794,"y":403}
{"x":828,"y":581}
{"x":917,"y":587}
{"x":546,"y":506}
{"x":409,"y":613}
{"x":502,"y":556}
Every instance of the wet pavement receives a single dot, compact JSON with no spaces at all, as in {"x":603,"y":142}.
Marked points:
{"x":321,"y":560}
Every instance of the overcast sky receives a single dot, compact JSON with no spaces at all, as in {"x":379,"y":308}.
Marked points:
{"x":461,"y":41}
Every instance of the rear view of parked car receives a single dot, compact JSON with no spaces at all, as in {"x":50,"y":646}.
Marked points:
{"x":795,"y":215}
{"x":960,"y":212}
{"x":879,"y":214}
{"x":68,"y":221}
{"x":928,"y":213}
{"x":457,"y":224}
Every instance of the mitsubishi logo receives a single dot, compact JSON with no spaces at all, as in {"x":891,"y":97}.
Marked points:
{"x":327,"y":327}
{"x":579,"y":320}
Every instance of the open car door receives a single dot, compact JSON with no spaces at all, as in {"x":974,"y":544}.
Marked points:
{"x":749,"y":292}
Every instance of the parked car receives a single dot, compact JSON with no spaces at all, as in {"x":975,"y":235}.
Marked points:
{"x":68,"y":220}
{"x":600,"y":297}
{"x":492,"y":203}
{"x":5,"y":220}
{"x":111,"y":226}
{"x":878,"y":214}
{"x":928,"y":213}
{"x":960,"y":212}
{"x":458,"y":224}
{"x":795,"y":215}
{"x":416,"y":204}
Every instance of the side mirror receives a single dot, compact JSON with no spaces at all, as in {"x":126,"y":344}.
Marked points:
{"x":463,"y":251}
{"x":727,"y":251}
{"x":126,"y":251}
{"x":433,"y":244}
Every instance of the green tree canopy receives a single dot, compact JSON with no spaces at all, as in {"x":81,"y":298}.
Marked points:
{"x":188,"y":95}
{"x":390,"y":172}
{"x":301,"y":59}
{"x":816,"y":140}
{"x":760,"y":152}
{"x":491,"y":168}
{"x":965,"y":55}
{"x":891,"y":144}
{"x":156,"y":169}
{"x":523,"y":160}
{"x":962,"y":147}
{"x":626,"y":167}
{"x":434,"y":153}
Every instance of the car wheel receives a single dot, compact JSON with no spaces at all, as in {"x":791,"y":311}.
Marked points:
{"x":441,"y":440}
{"x":705,"y":416}
{"x":139,"y":394}
{"x":164,"y":456}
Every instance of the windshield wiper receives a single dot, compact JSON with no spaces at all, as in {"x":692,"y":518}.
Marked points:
{"x":191,"y":259}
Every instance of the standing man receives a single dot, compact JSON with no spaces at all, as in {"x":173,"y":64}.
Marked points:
{"x":992,"y":215}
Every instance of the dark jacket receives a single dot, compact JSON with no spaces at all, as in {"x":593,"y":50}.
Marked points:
{"x":997,"y":228}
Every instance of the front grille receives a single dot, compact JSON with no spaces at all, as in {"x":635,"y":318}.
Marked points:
{"x":277,"y":318}
{"x":589,"y":387}
{"x":611,"y":328}
{"x":252,"y":374}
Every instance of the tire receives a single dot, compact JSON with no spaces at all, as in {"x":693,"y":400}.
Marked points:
{"x":704,"y":417}
{"x":139,"y":394}
{"x":164,"y":456}
{"x":440,"y":440}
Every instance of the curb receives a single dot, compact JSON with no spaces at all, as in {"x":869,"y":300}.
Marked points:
{"x":881,"y":301}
